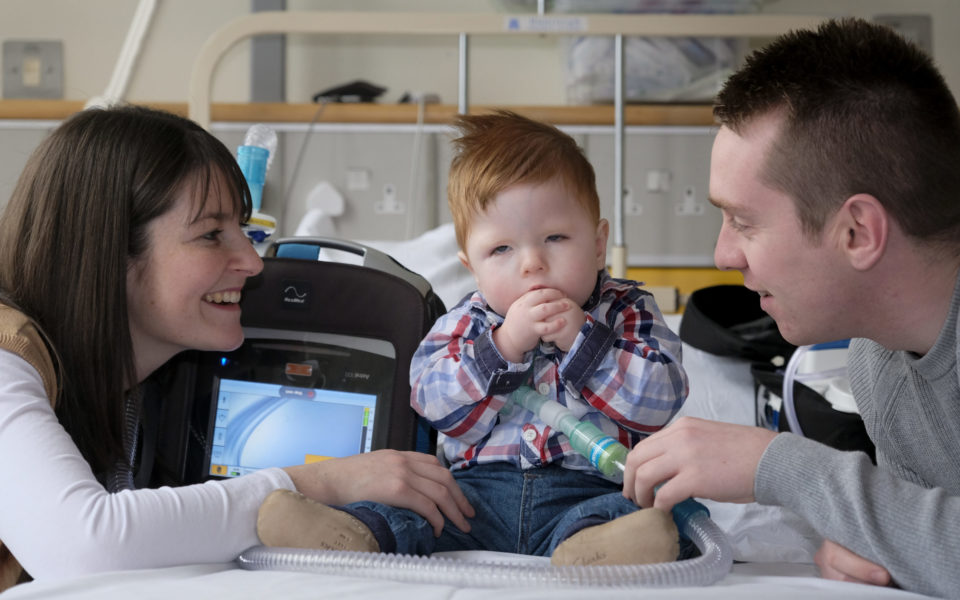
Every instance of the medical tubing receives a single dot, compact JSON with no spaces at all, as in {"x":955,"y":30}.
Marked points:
{"x":121,"y":477}
{"x":692,"y":518}
{"x":711,"y":566}
{"x":789,"y":409}
{"x":605,"y":453}
{"x":790,"y":376}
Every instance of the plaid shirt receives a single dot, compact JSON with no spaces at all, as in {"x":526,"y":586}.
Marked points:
{"x":623,"y":374}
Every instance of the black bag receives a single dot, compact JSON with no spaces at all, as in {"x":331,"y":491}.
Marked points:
{"x":378,"y":301}
{"x":726,"y":320}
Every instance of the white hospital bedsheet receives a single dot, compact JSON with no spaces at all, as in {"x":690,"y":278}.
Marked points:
{"x":433,"y":255}
{"x":776,"y":544}
{"x":215,"y":582}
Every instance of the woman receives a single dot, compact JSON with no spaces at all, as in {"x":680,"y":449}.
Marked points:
{"x":120,"y":247}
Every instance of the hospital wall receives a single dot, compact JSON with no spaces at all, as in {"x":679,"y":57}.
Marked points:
{"x":665,"y":227}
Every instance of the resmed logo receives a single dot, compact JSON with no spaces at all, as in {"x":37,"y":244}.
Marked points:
{"x":295,"y":294}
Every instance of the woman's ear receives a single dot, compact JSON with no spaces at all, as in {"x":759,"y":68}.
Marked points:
{"x":865,"y":226}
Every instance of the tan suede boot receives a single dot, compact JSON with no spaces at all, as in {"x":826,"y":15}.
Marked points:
{"x":291,"y":520}
{"x":646,"y":536}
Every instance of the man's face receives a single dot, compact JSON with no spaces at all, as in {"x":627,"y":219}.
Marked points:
{"x":800,"y":280}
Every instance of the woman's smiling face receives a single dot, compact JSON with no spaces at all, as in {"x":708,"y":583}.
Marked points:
{"x":184,"y":291}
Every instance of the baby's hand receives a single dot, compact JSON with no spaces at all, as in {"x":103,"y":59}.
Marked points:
{"x":562,"y":328}
{"x":532,"y":316}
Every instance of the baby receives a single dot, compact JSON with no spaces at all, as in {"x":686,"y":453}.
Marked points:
{"x":546,"y":315}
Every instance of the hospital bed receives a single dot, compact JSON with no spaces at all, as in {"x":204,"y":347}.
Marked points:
{"x":772,"y":547}
{"x":465,"y":25}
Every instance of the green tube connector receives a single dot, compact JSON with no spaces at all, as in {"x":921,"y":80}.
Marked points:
{"x":605,"y":453}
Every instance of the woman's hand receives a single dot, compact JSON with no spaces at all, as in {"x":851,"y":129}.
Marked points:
{"x":836,"y":562}
{"x":412,"y":480}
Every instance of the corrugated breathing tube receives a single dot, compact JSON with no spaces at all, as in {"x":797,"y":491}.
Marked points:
{"x":692,"y":518}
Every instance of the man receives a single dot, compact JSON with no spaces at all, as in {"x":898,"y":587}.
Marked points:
{"x":837,"y":169}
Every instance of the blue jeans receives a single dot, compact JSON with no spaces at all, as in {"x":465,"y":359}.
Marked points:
{"x":521,"y":511}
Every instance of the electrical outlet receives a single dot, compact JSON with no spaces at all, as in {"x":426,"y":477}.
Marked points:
{"x":358,"y":179}
{"x":689,"y":206}
{"x":32,"y":69}
{"x":658,"y":180}
{"x":632,"y":206}
{"x":389,"y":205}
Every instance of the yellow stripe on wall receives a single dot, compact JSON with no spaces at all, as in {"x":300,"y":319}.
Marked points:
{"x":685,"y":279}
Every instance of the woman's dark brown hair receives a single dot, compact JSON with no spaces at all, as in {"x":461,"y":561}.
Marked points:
{"x":77,"y":219}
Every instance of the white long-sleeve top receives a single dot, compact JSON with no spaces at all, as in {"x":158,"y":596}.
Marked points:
{"x":59,"y":521}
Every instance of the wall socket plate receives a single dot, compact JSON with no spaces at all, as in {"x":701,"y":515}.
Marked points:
{"x":389,"y":205}
{"x":32,"y":69}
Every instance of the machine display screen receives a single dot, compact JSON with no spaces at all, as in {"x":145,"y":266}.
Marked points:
{"x":258,"y":425}
{"x":283,"y":402}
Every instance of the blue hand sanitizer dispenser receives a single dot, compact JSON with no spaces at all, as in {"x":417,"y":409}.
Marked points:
{"x":254,"y":158}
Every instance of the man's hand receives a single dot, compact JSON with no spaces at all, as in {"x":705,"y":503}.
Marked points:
{"x":695,"y":458}
{"x":836,"y":562}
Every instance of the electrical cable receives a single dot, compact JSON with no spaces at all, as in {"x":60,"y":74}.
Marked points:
{"x":414,"y":201}
{"x":288,"y":186}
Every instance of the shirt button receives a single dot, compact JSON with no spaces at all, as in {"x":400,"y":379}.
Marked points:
{"x":530,"y":434}
{"x":544,"y":388}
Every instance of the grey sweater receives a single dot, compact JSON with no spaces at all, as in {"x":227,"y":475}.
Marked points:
{"x":904,"y":513}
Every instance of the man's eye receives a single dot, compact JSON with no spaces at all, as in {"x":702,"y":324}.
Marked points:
{"x":213,"y":235}
{"x":735,"y":224}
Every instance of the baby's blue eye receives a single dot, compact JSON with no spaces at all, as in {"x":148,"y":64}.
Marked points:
{"x":556,"y":237}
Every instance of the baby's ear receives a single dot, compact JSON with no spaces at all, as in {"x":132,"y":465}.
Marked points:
{"x":603,"y":231}
{"x":464,"y":261}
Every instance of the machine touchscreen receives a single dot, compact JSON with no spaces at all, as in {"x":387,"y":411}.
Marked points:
{"x":259,"y":425}
{"x":283,"y":402}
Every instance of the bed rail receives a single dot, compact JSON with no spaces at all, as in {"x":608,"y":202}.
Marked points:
{"x":465,"y":24}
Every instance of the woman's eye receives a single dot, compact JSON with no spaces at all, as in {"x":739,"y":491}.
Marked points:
{"x":213,"y":235}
